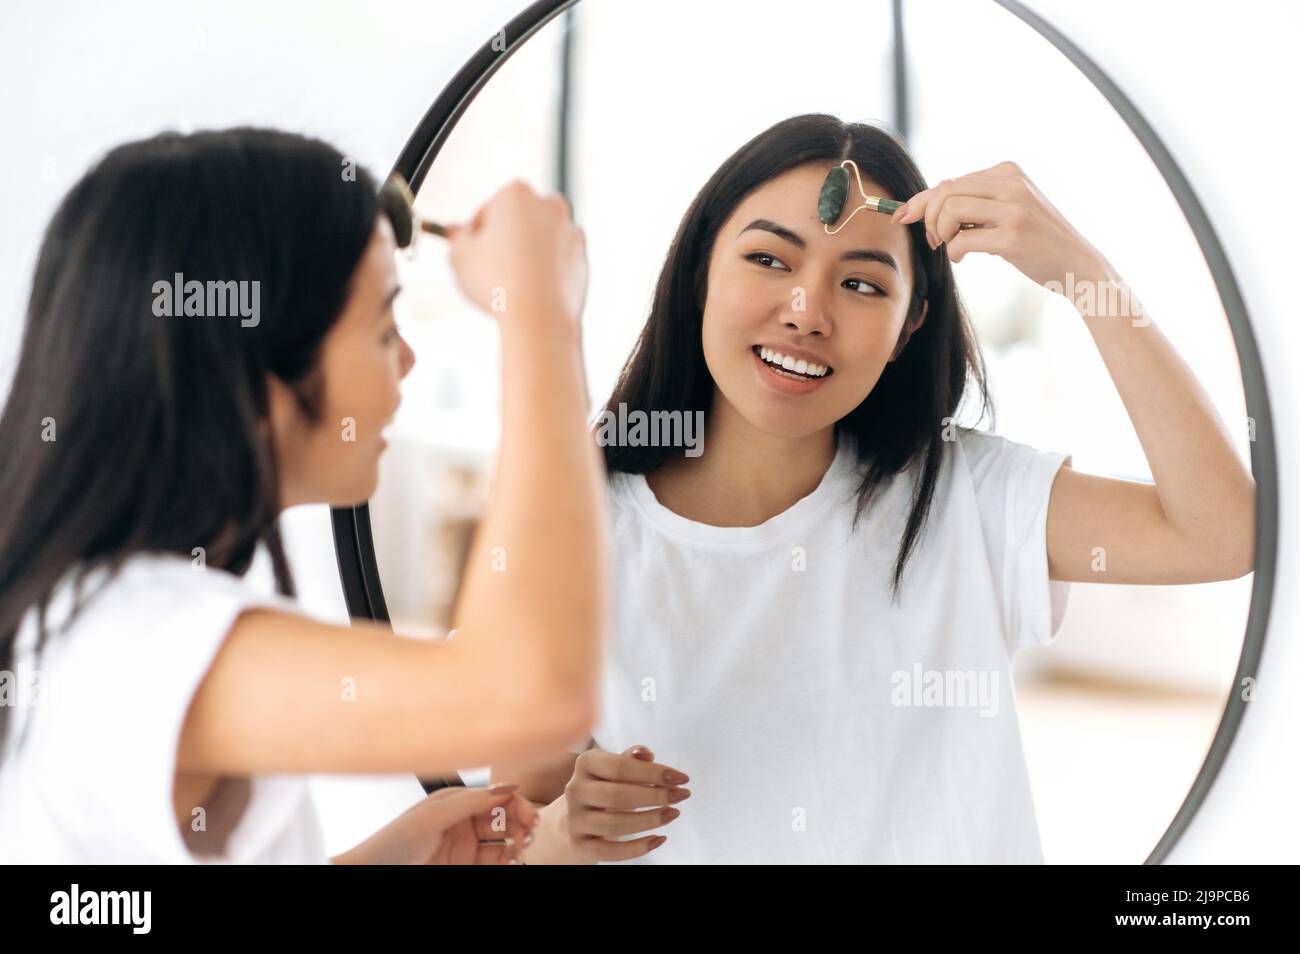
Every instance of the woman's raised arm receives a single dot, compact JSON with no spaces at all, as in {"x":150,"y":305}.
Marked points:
{"x":289,"y":694}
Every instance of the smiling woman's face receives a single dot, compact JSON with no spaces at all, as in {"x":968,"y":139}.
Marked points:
{"x":782,"y":291}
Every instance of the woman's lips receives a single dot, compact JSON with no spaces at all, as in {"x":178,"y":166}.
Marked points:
{"x":780,"y":382}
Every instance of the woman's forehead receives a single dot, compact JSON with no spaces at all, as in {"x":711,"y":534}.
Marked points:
{"x":790,"y":201}
{"x":812,"y":176}
{"x":375,"y":273}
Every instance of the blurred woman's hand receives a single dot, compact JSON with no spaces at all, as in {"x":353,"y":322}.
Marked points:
{"x":611,"y":796}
{"x":452,"y":826}
{"x":522,"y":254}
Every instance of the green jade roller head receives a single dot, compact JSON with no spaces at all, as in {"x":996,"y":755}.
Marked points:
{"x":398,"y":203}
{"x":835,"y":192}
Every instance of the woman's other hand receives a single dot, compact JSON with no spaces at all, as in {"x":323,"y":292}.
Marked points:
{"x":452,"y":826}
{"x":612,"y":796}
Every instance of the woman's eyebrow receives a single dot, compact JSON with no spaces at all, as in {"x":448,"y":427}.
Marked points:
{"x":856,"y":255}
{"x":388,"y":300}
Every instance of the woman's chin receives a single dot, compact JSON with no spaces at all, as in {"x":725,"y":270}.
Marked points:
{"x":785,"y":425}
{"x":356,"y":495}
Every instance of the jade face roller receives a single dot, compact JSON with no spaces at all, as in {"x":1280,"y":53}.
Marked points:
{"x":835,"y":191}
{"x":398,"y":203}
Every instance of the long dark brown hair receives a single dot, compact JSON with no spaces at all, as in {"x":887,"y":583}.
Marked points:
{"x":901,"y":424}
{"x":125,"y":432}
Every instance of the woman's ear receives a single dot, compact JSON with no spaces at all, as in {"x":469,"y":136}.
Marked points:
{"x":909,"y":329}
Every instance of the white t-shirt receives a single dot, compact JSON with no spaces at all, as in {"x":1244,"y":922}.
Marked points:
{"x":818,"y":722}
{"x":87,"y":769}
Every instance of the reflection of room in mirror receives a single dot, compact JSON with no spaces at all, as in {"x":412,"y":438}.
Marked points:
{"x":424,"y":516}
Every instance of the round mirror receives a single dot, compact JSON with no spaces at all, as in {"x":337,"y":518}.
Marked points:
{"x":1118,"y":699}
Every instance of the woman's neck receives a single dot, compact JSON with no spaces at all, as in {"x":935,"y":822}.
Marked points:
{"x":744,"y":476}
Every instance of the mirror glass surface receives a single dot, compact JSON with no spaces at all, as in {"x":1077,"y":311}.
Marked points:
{"x":1117,"y":713}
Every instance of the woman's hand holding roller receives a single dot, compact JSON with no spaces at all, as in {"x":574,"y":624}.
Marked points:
{"x":522,"y":254}
{"x":1016,"y":223}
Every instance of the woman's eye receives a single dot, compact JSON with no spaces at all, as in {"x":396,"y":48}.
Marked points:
{"x":864,"y":284}
{"x":756,"y":256}
{"x":390,"y":336}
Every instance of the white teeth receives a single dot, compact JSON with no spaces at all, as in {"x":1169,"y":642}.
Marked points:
{"x":797,"y":365}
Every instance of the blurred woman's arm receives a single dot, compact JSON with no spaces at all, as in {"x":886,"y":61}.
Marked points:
{"x":289,"y":694}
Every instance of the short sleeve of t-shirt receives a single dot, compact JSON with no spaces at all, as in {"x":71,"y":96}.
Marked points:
{"x":1013,"y":486}
{"x":99,"y":760}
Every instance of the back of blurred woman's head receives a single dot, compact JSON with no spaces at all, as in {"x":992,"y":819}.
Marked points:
{"x":129,"y":431}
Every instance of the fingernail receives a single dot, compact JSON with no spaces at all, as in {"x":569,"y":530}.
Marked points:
{"x":528,"y":839}
{"x":503,"y":788}
{"x":679,"y":795}
{"x":669,"y":814}
{"x":657,"y":840}
{"x":931,"y":240}
{"x":674,"y":777}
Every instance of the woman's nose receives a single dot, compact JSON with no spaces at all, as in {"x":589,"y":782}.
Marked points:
{"x":408,"y":358}
{"x":807,"y":314}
